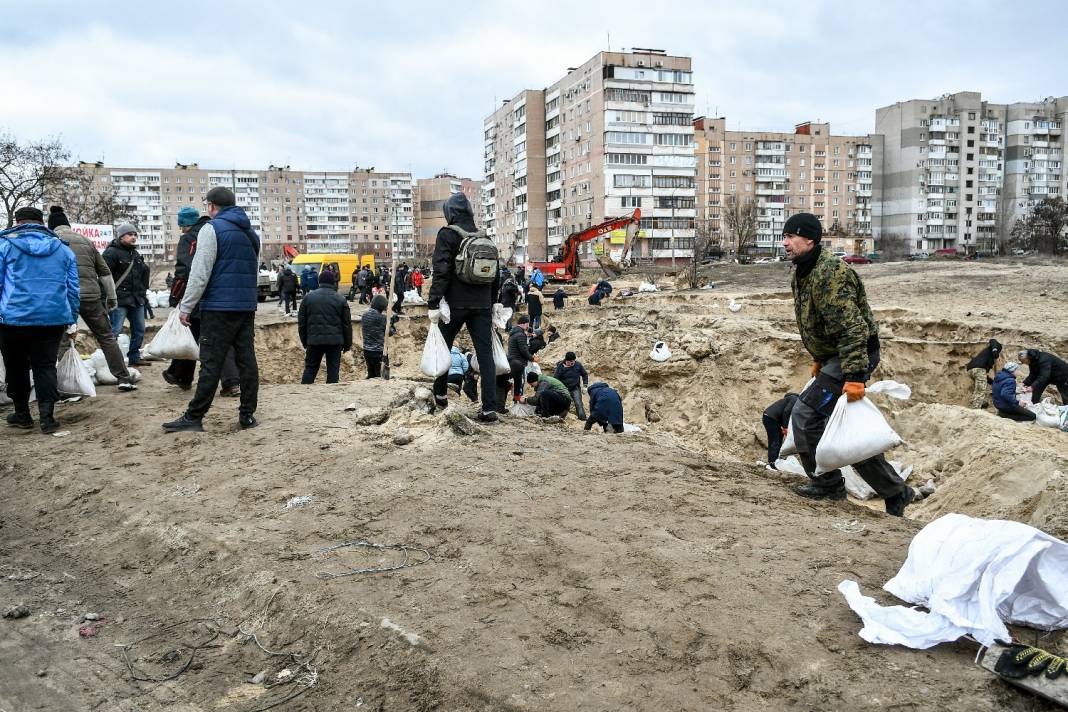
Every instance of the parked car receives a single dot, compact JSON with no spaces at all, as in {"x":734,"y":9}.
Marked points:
{"x":874,"y":256}
{"x":839,"y":253}
{"x":1019,"y":253}
{"x":918,"y":256}
{"x":856,"y":260}
{"x":948,"y":253}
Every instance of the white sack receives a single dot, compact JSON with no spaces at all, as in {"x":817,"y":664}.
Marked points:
{"x":500,"y":358}
{"x":1046,"y":414}
{"x":893,"y":389}
{"x":532,"y":367}
{"x":646,"y":287}
{"x":854,"y":484}
{"x":628,"y":428}
{"x":734,"y":306}
{"x":103,"y":374}
{"x":444,"y":312}
{"x":436,"y":356}
{"x":174,"y":340}
{"x":788,"y":445}
{"x":973,"y":575}
{"x":124,"y":343}
{"x":660,"y":352}
{"x":135,"y":375}
{"x":855,"y":431}
{"x":412,"y":297}
{"x":522,"y":410}
{"x":72,"y":378}
{"x":501,"y":315}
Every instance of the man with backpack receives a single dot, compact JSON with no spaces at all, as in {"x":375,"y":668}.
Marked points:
{"x":466,"y":276}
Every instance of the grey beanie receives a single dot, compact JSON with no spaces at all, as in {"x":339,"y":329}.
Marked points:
{"x":125,"y":229}
{"x":1011,"y":366}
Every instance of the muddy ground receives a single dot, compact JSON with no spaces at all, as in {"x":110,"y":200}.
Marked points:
{"x":568,"y":570}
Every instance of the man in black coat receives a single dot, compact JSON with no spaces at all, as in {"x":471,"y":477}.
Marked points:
{"x":979,"y":369}
{"x":519,"y":354}
{"x":324,"y":323}
{"x":1045,"y":369}
{"x":470,"y":304}
{"x":287,"y":285}
{"x":131,"y":276}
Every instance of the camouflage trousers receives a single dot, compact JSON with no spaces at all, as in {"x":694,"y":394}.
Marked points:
{"x":980,"y":387}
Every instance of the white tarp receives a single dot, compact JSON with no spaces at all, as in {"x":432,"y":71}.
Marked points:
{"x":973,"y":575}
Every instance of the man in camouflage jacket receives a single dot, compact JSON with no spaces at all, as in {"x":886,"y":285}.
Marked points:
{"x":839,"y":331}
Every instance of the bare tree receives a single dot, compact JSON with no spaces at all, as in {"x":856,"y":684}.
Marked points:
{"x":27,"y":168}
{"x":1042,"y":228}
{"x":892,"y":247}
{"x":741,"y":222}
{"x":84,"y":202}
{"x":701,"y":243}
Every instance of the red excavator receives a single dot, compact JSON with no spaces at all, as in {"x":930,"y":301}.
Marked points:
{"x":566,"y":267}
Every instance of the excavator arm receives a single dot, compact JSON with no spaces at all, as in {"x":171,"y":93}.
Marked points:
{"x":567,"y":267}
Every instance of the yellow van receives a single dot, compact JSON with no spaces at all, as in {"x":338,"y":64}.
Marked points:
{"x":345,"y":264}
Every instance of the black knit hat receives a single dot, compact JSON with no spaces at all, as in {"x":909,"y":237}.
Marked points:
{"x":804,"y":224}
{"x":29,"y":213}
{"x":570,"y":356}
{"x":327,"y":276}
{"x":57,"y":217}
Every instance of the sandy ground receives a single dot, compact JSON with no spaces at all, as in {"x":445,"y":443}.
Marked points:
{"x":568,"y":570}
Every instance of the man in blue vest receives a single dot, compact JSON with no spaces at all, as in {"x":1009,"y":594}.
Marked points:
{"x":222,"y":281}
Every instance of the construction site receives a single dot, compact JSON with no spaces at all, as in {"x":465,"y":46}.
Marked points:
{"x":357,"y":552}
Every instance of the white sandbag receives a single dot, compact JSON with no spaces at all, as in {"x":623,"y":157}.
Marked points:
{"x":71,"y":378}
{"x":858,"y":488}
{"x":436,"y":355}
{"x":174,"y":340}
{"x":103,"y":374}
{"x":973,"y":576}
{"x":444,"y":312}
{"x":628,"y":428}
{"x":646,"y":287}
{"x":532,"y":367}
{"x":522,"y":410}
{"x":411,"y":297}
{"x":734,"y":306}
{"x":660,"y":352}
{"x":893,"y":389}
{"x":1046,"y":414}
{"x":135,"y":375}
{"x":855,"y":431}
{"x":124,"y":343}
{"x":500,"y":358}
{"x":501,"y":315}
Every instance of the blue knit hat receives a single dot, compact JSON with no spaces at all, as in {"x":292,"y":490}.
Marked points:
{"x":188,"y":216}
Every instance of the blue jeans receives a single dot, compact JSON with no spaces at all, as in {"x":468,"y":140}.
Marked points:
{"x":136,"y":315}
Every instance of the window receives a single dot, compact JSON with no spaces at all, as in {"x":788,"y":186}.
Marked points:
{"x":673,"y":139}
{"x":626,"y":159}
{"x":672,"y":97}
{"x":624,"y":180}
{"x":631,"y":201}
{"x":626,"y":137}
{"x":660,"y":119}
{"x":672,"y":181}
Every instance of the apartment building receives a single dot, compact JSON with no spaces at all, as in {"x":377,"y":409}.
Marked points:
{"x":513,"y":193}
{"x":958,"y":170}
{"x":809,"y":170}
{"x":616,"y":133}
{"x":429,"y":199}
{"x":312,"y":211}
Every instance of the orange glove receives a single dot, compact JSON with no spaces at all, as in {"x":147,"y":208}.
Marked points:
{"x":853,"y":390}
{"x":816,"y":366}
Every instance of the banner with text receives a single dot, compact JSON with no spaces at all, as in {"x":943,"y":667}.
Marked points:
{"x":100,"y":235}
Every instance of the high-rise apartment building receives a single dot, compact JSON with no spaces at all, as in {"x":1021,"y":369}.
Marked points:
{"x":809,"y":170}
{"x":617,"y":134}
{"x":335,"y":211}
{"x":429,"y":201}
{"x":958,"y":171}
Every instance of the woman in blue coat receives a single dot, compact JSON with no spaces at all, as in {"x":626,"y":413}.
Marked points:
{"x":606,"y":408}
{"x":1004,"y":395}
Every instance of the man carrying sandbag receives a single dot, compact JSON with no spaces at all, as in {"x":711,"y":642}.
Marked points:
{"x":467,"y":277}
{"x":839,"y":331}
{"x":97,"y":288}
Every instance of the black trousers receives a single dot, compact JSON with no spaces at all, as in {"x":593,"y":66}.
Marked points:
{"x":519,"y":377}
{"x":313,"y":358}
{"x":1062,"y":390}
{"x":365,"y":294}
{"x":290,"y":299}
{"x":809,"y":420}
{"x":219,"y":332}
{"x":31,"y":348}
{"x":550,"y":402}
{"x":183,"y":370}
{"x":397,"y":306}
{"x":480,"y":326}
{"x":374,"y":363}
{"x":774,"y":431}
{"x":616,"y":427}
{"x":1019,"y":414}
{"x":504,"y":385}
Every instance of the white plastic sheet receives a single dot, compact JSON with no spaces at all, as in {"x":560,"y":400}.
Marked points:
{"x":72,"y":378}
{"x":660,"y":352}
{"x":522,"y":410}
{"x":436,"y":356}
{"x":174,"y":340}
{"x":974,"y":576}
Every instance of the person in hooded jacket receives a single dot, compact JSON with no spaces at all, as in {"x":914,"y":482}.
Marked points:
{"x":223,"y":282}
{"x":131,"y":276}
{"x":979,"y":369}
{"x":606,"y":408}
{"x":181,"y":371}
{"x":373,"y":329}
{"x":519,"y":354}
{"x":776,"y":419}
{"x":1043,"y":370}
{"x":470,"y":304}
{"x":96,"y":288}
{"x":558,"y":298}
{"x":1004,"y":395}
{"x":39,"y":302}
{"x":324,"y":324}
{"x":459,"y":365}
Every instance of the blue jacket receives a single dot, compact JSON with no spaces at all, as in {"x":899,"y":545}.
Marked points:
{"x":605,"y":404}
{"x":232,"y":286}
{"x":38,"y":278}
{"x":459,"y":363}
{"x":538,"y":278}
{"x":1005,"y":391}
{"x":309,"y":280}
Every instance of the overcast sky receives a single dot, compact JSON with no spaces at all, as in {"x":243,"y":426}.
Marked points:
{"x":406,"y":85}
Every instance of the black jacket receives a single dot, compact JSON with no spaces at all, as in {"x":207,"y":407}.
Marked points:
{"x":509,"y":294}
{"x":187,"y":247}
{"x":373,"y":327}
{"x":288,"y":281}
{"x":985,"y":359}
{"x":518,"y":350}
{"x":1044,"y":368}
{"x":558,"y":299}
{"x":572,"y":376}
{"x":324,"y":319}
{"x":131,"y":293}
{"x":458,"y":294}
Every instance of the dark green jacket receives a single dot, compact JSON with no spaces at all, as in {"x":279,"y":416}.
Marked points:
{"x":833,"y":315}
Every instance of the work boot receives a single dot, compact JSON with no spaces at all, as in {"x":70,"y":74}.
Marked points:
{"x":173,"y":380}
{"x":247,"y":421}
{"x":49,"y":424}
{"x":230,"y":391}
{"x":815,"y":491}
{"x":21,"y":418}
{"x":895,"y":506}
{"x":488,"y":416}
{"x":441,"y":402}
{"x":185,"y":424}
